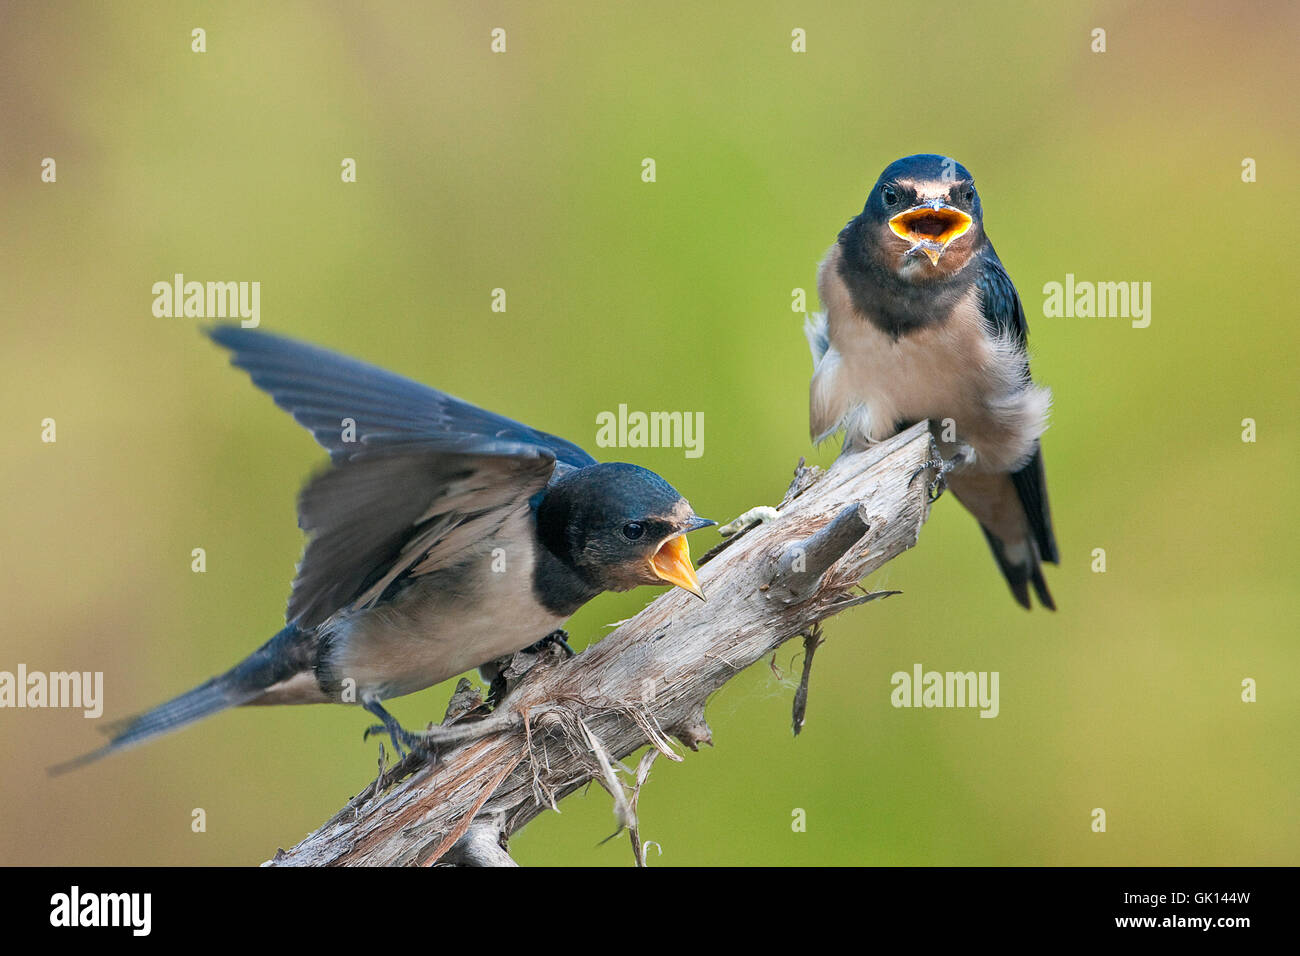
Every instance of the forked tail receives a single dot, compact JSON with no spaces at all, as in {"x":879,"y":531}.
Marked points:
{"x":276,"y":660}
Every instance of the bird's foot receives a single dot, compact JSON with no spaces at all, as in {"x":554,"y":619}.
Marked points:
{"x":399,"y":737}
{"x":559,"y":637}
{"x":504,"y":673}
{"x":763,"y":514}
{"x":942,"y":467}
{"x":398,"y":734}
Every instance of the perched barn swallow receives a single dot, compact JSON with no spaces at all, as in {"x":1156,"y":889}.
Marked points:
{"x":921,"y":322}
{"x":442,"y":537}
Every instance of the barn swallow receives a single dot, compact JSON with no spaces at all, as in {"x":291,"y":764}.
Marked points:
{"x":921,"y":322}
{"x":441,"y":537}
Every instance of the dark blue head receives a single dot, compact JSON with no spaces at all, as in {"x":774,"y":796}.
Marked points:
{"x":619,"y":526}
{"x":922,"y":221}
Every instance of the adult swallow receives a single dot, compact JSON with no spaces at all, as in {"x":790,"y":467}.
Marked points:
{"x":441,"y":537}
{"x":921,"y":322}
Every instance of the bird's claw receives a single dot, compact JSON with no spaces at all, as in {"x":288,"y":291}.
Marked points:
{"x":763,"y":514}
{"x":935,"y":489}
{"x":413,"y":742}
{"x":377,"y":729}
{"x":398,"y":734}
{"x":942,"y":467}
{"x":558,"y":637}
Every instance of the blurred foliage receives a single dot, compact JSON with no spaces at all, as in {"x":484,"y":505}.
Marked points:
{"x":522,"y":171}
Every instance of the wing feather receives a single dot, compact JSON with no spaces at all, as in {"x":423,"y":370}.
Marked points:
{"x":1004,"y":315}
{"x":418,"y":481}
{"x":320,"y":389}
{"x":377,"y":517}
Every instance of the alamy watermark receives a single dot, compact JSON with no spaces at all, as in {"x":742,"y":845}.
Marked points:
{"x":76,"y":689}
{"x":624,"y":429}
{"x":131,"y":911}
{"x":208,"y":300}
{"x":922,"y":688}
{"x":1103,"y":300}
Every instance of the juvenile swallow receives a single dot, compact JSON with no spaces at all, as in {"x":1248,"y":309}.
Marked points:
{"x":441,"y":537}
{"x":921,"y":322}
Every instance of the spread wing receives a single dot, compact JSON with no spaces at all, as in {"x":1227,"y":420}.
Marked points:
{"x":416,"y":479}
{"x":320,"y":389}
{"x":1005,"y":316}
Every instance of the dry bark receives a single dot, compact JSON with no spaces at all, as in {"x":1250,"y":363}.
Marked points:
{"x":568,"y":722}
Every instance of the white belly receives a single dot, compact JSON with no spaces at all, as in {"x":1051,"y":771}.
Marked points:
{"x":967,"y":384}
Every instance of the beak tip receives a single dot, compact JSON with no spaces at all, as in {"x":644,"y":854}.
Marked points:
{"x":671,"y":564}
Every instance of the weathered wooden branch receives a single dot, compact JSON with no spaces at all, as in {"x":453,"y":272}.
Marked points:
{"x":569,"y":722}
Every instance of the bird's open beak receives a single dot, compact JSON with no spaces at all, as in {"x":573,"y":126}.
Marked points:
{"x":672,"y":562}
{"x":930,"y":227}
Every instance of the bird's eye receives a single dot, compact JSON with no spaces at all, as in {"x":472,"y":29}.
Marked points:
{"x":969,"y":195}
{"x":633,"y":530}
{"x":888,"y":194}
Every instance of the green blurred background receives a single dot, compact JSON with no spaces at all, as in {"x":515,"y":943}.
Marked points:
{"x":522,"y":171}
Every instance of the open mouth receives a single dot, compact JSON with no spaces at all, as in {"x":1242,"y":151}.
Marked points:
{"x":930,"y":228}
{"x":672,"y":563}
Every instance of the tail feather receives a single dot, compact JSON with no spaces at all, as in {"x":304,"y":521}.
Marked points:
{"x":273,"y":662}
{"x":1031,"y":487}
{"x":1020,"y":574}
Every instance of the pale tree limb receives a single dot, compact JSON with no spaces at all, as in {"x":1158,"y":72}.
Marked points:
{"x":569,"y":722}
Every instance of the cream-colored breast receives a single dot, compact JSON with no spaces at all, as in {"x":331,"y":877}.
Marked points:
{"x":444,"y":627}
{"x":952,"y":371}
